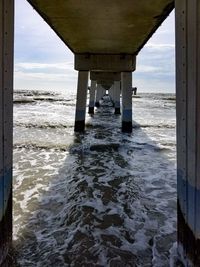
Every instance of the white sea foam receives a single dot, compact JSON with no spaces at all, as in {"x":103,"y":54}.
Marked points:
{"x":99,"y":199}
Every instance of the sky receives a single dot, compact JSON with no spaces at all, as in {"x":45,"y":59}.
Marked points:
{"x":42,"y":60}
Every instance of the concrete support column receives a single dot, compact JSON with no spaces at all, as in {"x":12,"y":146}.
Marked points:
{"x":6,"y":123}
{"x":81,"y":101}
{"x":126,"y":102}
{"x":111,"y":94}
{"x":98,"y":95}
{"x":92,"y":97}
{"x":188,"y":129}
{"x":117,"y":96}
{"x":103,"y":92}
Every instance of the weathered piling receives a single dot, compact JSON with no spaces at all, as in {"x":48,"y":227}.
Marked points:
{"x":92,"y":97}
{"x":81,"y":101}
{"x":6,"y":124}
{"x":188,"y":129}
{"x":127,"y":102}
{"x":117,"y":97}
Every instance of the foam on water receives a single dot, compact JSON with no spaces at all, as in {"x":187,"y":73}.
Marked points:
{"x":99,"y":199}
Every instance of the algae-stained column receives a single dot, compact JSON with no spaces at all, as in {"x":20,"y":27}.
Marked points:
{"x":92,"y":97}
{"x":188,"y":129}
{"x":117,"y":96}
{"x":81,"y":101}
{"x":127,"y":102}
{"x":6,"y":123}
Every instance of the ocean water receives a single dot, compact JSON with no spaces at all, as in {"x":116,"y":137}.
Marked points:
{"x":102,"y":198}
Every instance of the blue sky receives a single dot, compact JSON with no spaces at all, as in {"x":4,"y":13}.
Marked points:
{"x":42,"y":61}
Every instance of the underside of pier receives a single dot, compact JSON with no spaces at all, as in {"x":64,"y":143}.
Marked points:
{"x":104,"y":27}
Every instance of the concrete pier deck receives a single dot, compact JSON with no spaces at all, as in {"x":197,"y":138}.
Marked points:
{"x":123,"y":26}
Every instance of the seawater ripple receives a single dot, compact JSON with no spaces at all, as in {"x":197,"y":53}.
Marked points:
{"x":46,"y":125}
{"x":102,"y":198}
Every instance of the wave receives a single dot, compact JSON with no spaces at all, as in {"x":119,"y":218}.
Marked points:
{"x":168,"y":144}
{"x":77,"y":148}
{"x":161,"y":125}
{"x":158,"y":96}
{"x":28,"y":96}
{"x":47,"y":146}
{"x":27,"y":100}
{"x":169,"y":98}
{"x":23,"y":101}
{"x":88,"y":125}
{"x":43,"y":126}
{"x":34,"y":93}
{"x":73,"y":148}
{"x":155,"y":147}
{"x":48,"y":99}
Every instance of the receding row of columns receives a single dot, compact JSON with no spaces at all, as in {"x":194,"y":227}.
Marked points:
{"x":97,"y":91}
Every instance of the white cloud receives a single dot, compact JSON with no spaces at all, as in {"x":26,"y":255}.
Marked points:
{"x":145,"y":69}
{"x":34,"y":39}
{"x":35,"y":65}
{"x":45,"y":81}
{"x":160,"y":46}
{"x":44,"y":76}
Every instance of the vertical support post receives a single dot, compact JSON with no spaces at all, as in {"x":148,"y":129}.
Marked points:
{"x":6,"y":123}
{"x":127,"y":102}
{"x":111,"y":93}
{"x":117,"y":96}
{"x":103,"y":92}
{"x":188,"y":129}
{"x":92,"y":97}
{"x":98,"y":95}
{"x":81,"y":101}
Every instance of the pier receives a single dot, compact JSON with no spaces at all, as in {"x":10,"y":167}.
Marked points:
{"x":105,"y":59}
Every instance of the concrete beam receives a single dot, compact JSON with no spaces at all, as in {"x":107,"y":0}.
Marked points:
{"x":105,"y":76}
{"x":188,"y":129}
{"x":81,"y":101}
{"x":106,"y":79}
{"x":106,"y":85}
{"x":107,"y":63}
{"x":6,"y":123}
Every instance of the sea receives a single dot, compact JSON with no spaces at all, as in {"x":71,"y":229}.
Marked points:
{"x":102,"y":198}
